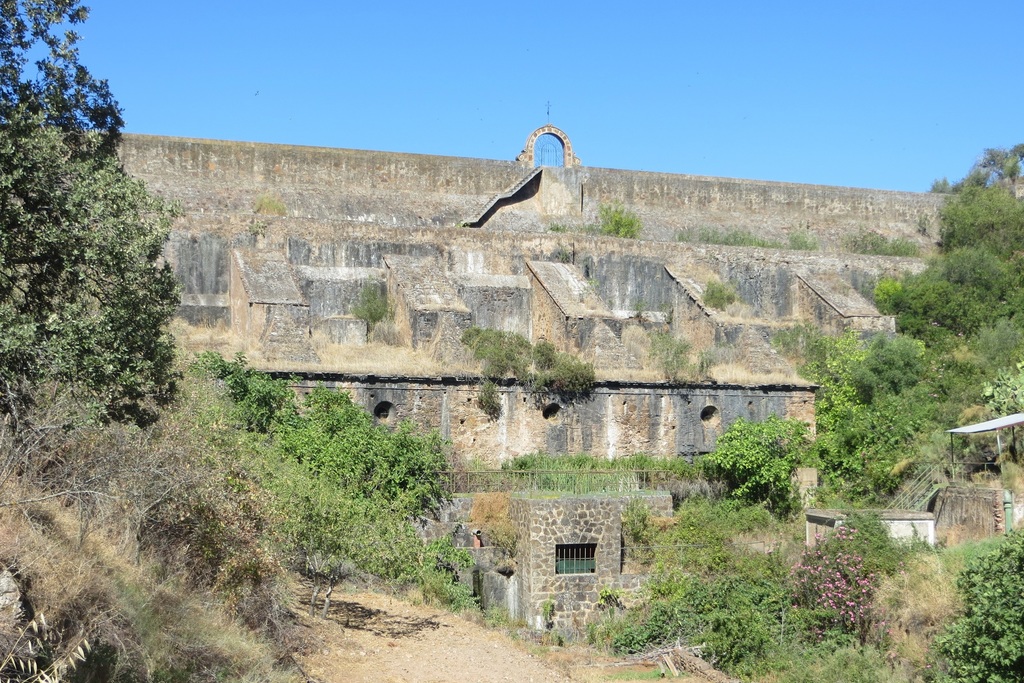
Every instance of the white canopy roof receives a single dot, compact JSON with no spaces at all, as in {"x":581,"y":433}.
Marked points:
{"x":990,"y":425}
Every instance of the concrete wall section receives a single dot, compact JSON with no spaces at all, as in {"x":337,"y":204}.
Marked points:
{"x":667,"y":203}
{"x":333,"y":292}
{"x":364,"y":186}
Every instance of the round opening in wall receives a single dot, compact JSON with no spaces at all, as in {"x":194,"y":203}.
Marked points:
{"x":550,"y":411}
{"x":708,"y":413}
{"x":383,"y":410}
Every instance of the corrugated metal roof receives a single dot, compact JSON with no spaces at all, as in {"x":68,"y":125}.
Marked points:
{"x":990,"y":425}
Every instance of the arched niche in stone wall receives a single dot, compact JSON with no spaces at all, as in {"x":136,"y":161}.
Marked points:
{"x":527,"y":156}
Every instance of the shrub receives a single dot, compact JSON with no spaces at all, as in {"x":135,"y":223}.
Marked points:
{"x":870,"y":242}
{"x":489,"y":400}
{"x":802,"y":241}
{"x":727,"y":238}
{"x":719,"y":295}
{"x":439,"y":576}
{"x":617,"y":221}
{"x":569,"y":376}
{"x":987,"y":642}
{"x":545,"y":355}
{"x":490,"y":512}
{"x":338,"y":440}
{"x":507,"y":353}
{"x":638,"y":531}
{"x":259,"y":401}
{"x":708,"y":589}
{"x":373,"y":307}
{"x":834,"y":589}
{"x":794,"y":342}
{"x":756,"y":460}
{"x":670,"y":355}
{"x":502,"y":353}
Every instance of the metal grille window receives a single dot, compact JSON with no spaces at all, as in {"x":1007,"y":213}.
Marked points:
{"x":575,"y":558}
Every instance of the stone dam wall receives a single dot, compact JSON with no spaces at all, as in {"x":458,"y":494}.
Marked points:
{"x":342,"y":222}
{"x":416,"y":191}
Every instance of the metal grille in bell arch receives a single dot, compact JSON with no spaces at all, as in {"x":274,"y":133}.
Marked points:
{"x":548,"y":151}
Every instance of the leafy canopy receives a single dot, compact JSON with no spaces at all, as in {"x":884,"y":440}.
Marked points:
{"x":757,"y":459}
{"x":83,"y":299}
{"x":987,"y":642}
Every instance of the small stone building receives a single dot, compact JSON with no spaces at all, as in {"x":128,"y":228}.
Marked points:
{"x":569,"y":549}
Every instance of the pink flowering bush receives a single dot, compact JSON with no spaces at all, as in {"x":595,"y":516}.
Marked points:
{"x":833,"y":587}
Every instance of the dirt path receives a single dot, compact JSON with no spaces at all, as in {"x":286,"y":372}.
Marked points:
{"x":369,"y":637}
{"x":381,"y":639}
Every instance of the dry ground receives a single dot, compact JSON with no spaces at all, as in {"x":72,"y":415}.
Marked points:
{"x":369,"y":637}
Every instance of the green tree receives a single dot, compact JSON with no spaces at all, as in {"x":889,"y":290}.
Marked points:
{"x":84,"y":301}
{"x":338,"y":440}
{"x":987,"y":642}
{"x":260,"y":402}
{"x":373,"y":306}
{"x":983,"y":217}
{"x":757,"y":459}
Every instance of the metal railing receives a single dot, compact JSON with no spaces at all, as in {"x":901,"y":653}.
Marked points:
{"x":917,"y":491}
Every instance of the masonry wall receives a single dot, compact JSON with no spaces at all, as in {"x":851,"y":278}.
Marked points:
{"x":617,"y":419}
{"x":542,"y":524}
{"x":411,"y":191}
{"x":624,"y":271}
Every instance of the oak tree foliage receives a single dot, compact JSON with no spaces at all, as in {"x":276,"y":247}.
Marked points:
{"x":84,"y":297}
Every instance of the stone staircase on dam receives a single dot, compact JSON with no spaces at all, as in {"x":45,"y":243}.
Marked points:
{"x":492,"y":203}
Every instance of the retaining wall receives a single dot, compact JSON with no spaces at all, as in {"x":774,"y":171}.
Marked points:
{"x":616,"y":419}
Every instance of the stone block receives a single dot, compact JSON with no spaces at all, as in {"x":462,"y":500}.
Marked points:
{"x":342,"y":330}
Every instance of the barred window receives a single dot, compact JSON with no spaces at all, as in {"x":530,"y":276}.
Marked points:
{"x":575,"y":558}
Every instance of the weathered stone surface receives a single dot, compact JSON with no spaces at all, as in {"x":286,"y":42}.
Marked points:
{"x":417,"y":191}
{"x":10,"y":601}
{"x":967,"y":514}
{"x":543,"y":524}
{"x":617,"y":418}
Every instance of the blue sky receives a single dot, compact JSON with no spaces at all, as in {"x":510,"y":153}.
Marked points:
{"x":887,"y":95}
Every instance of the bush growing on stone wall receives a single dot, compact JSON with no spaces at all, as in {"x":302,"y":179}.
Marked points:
{"x":502,"y":353}
{"x":373,"y":307}
{"x":756,"y":460}
{"x":617,"y":221}
{"x":725,"y":237}
{"x":490,"y":512}
{"x":489,"y":399}
{"x":569,"y":376}
{"x":542,"y":367}
{"x":638,"y":531}
{"x":719,"y":295}
{"x":802,"y":241}
{"x":795,"y":341}
{"x":269,"y":205}
{"x":544,"y":355}
{"x":870,"y":242}
{"x":671,"y":356}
